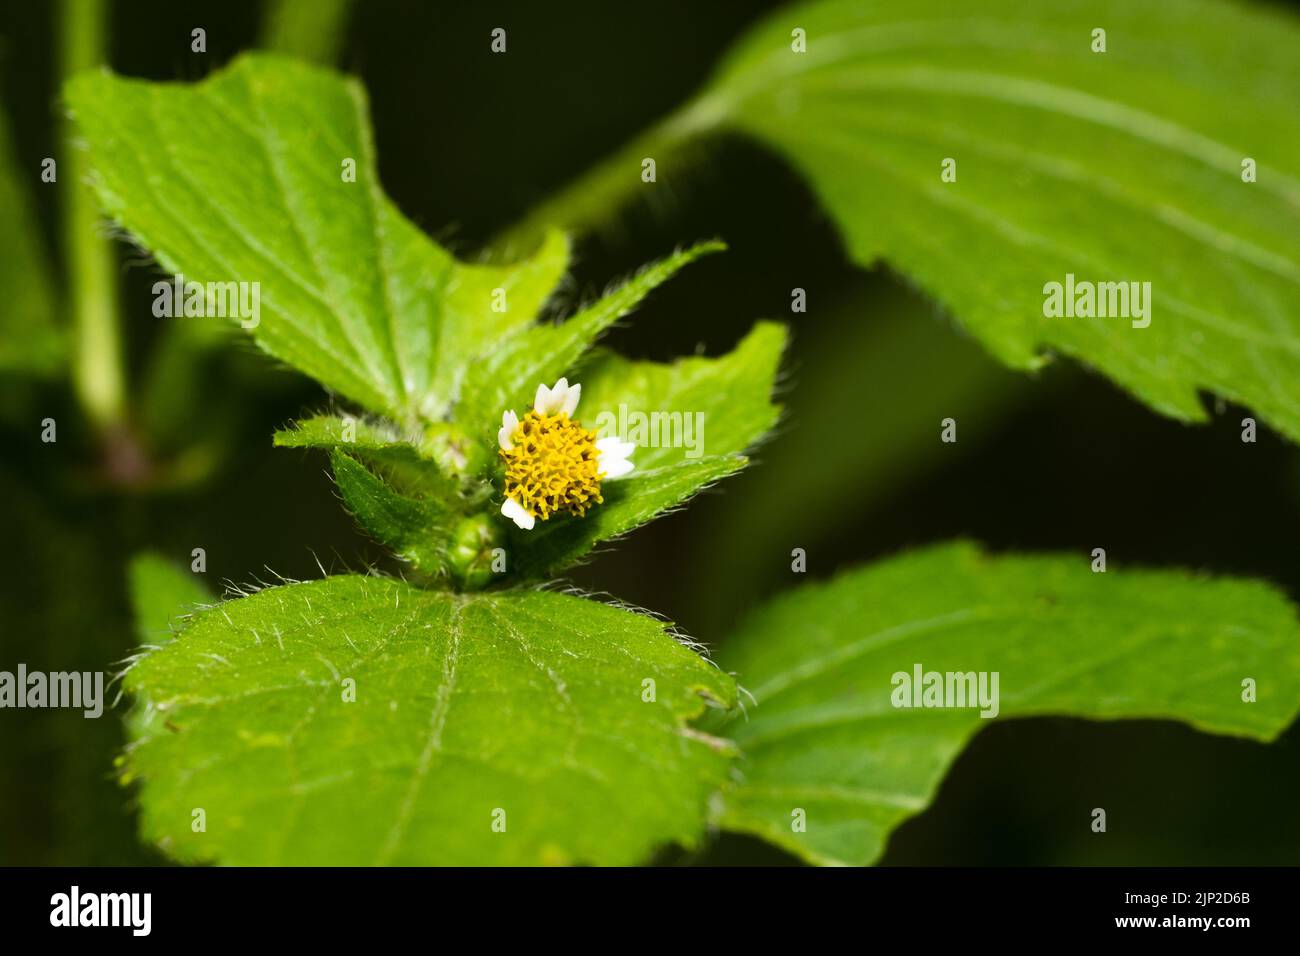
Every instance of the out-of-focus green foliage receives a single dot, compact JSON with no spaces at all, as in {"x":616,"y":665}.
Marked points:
{"x":30,"y":341}
{"x":162,"y":594}
{"x":825,"y":734}
{"x":62,"y":610}
{"x":312,"y":31}
{"x":871,"y":383}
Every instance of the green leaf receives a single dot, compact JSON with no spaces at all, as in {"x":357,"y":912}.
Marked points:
{"x":690,"y":408}
{"x":421,"y":453}
{"x":1122,"y":166}
{"x":30,"y":341}
{"x":508,"y":377}
{"x":162,"y":594}
{"x":241,"y":178}
{"x":396,"y":492}
{"x":820,"y":661}
{"x":629,"y":503}
{"x":525,"y":702}
{"x":342,"y":431}
{"x":415,"y":523}
{"x":690,"y":419}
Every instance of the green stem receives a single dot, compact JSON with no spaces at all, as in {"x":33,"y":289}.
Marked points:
{"x":310,"y":31}
{"x":592,"y":202}
{"x":97,"y":372}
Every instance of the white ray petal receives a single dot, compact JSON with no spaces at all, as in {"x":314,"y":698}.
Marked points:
{"x":550,"y":401}
{"x":571,"y":399}
{"x":615,"y":448}
{"x":509,"y":422}
{"x":516,"y":513}
{"x":615,"y":468}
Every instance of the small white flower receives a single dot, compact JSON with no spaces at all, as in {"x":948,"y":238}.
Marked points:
{"x":516,"y":513}
{"x":562,"y":398}
{"x":614,"y":457}
{"x":559,"y":465}
{"x":509,"y":422}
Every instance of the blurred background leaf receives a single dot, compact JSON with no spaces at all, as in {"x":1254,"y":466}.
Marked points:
{"x":825,"y":734}
{"x":874,"y":381}
{"x":163,"y":595}
{"x":30,"y":339}
{"x":1119,"y":164}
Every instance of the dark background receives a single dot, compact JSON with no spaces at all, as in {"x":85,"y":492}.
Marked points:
{"x":469,"y":142}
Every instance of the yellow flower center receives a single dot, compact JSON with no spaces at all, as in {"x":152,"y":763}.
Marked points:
{"x":553,"y":467}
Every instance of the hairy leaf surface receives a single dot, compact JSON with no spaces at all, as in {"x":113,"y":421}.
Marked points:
{"x":525,"y":708}
{"x":246,"y":177}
